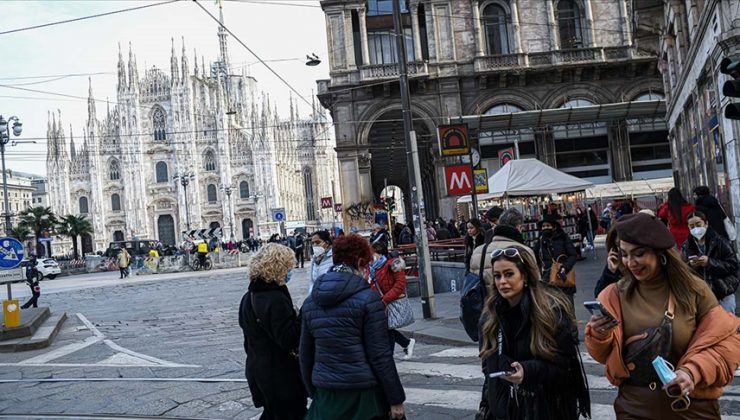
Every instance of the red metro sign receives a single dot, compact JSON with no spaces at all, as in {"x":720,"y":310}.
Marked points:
{"x":459,"y":179}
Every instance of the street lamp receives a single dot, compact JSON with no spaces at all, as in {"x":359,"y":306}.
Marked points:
{"x":227,"y":190}
{"x":4,"y":139}
{"x":184,"y":180}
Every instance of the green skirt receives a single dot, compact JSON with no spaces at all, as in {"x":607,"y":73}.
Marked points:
{"x":360,"y":404}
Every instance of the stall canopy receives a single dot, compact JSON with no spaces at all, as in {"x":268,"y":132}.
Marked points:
{"x":529,"y":177}
{"x":644,"y":187}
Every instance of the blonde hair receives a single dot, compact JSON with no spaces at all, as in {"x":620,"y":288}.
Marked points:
{"x":271,"y":264}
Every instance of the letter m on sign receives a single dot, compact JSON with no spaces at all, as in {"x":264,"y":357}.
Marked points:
{"x":459,"y":179}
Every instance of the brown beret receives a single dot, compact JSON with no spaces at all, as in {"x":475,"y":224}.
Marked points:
{"x":644,"y":230}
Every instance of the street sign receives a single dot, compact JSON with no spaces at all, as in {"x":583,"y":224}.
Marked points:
{"x":338,"y":207}
{"x":481,"y":181}
{"x":278,"y":215}
{"x":459,"y":179}
{"x":10,"y":275}
{"x":453,"y":140}
{"x":505,"y":155}
{"x":11,"y":253}
{"x":326,"y":203}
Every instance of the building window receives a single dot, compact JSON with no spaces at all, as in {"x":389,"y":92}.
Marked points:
{"x":569,"y":24}
{"x":161,"y":172}
{"x":159,"y":124}
{"x":243,"y":189}
{"x":209,"y":161}
{"x":384,"y":7}
{"x":308,"y":191}
{"x":382,"y":46}
{"x":115,"y":202}
{"x":114,"y":170}
{"x":83,"y":205}
{"x":495,"y":22}
{"x":211,"y":192}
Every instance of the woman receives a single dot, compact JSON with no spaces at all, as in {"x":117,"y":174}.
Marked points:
{"x":555,"y":245}
{"x":322,"y":256}
{"x":272,"y":330}
{"x":676,"y":210}
{"x":474,"y":239}
{"x":611,"y":273}
{"x":346,"y":362}
{"x":528,"y":331}
{"x":123,"y":260}
{"x":388,"y":278}
{"x":713,"y":258}
{"x":431,"y":232}
{"x":660,"y":308}
{"x":582,"y":226}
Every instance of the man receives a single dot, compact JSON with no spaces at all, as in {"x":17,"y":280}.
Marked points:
{"x":709,"y":205}
{"x":202,"y":252}
{"x":492,"y":216}
{"x":453,"y":229}
{"x":33,"y":282}
{"x":297,"y":245}
{"x":379,"y":234}
{"x":606,"y":217}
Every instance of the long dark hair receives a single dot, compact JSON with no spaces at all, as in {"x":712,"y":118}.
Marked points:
{"x":675,"y":201}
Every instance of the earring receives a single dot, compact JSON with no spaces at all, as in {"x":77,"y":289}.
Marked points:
{"x":663,"y":260}
{"x":526,"y":284}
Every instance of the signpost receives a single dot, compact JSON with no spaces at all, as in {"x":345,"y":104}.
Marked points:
{"x":459,"y":179}
{"x":278,"y":215}
{"x":11,"y":255}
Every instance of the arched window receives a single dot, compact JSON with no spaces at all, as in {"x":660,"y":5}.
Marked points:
{"x":211,"y":192}
{"x":159,"y":124}
{"x":161,"y":172}
{"x":495,"y":22}
{"x":243,"y":189}
{"x":649,"y":96}
{"x":115,"y":202}
{"x":569,"y":24}
{"x":114,"y":170}
{"x":209,"y":161}
{"x":83,"y":205}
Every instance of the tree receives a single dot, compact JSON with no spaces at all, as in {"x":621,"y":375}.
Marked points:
{"x":74,"y":227}
{"x":38,"y":219}
{"x":20,"y":232}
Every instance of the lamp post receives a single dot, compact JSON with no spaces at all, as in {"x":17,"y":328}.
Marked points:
{"x":184,"y":180}
{"x":227,"y":190}
{"x":4,"y":139}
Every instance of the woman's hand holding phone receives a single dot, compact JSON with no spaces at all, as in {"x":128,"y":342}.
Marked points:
{"x":518,"y":376}
{"x":601,"y":326}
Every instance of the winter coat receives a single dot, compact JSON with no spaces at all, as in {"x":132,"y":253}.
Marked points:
{"x":319,"y":266}
{"x":709,"y":205}
{"x":471,"y":243}
{"x":607,"y":278}
{"x":391,"y":278}
{"x":551,"y":389}
{"x":503,"y":237}
{"x":405,"y":237}
{"x":344,"y":341}
{"x":679,"y":228}
{"x":712,"y":357}
{"x":380,"y":236}
{"x":271,"y":330}
{"x":124,"y":259}
{"x":443,"y":233}
{"x":559,"y":247}
{"x":721,"y":272}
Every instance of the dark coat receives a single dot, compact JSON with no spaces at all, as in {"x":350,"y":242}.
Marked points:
{"x":470,"y":245}
{"x":551,"y":389}
{"x":721,"y":273}
{"x":272,"y":330}
{"x":344,"y":341}
{"x":558,"y":246}
{"x":607,"y":278}
{"x":709,"y":205}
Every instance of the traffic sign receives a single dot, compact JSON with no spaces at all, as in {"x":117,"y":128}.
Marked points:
{"x":338,"y":207}
{"x":278,"y":215}
{"x":11,"y":253}
{"x":11,"y":275}
{"x":459,"y":179}
{"x":326,"y":202}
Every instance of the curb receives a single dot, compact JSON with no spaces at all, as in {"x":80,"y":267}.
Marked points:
{"x":28,"y":328}
{"x":422,"y":337}
{"x":31,"y":343}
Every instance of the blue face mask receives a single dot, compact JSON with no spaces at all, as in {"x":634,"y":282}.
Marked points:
{"x":664,"y":370}
{"x":287,"y":278}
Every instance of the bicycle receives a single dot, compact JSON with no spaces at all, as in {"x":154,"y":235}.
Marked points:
{"x":207,"y":264}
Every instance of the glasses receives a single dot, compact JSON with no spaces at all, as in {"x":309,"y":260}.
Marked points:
{"x":507,"y":252}
{"x":681,"y":402}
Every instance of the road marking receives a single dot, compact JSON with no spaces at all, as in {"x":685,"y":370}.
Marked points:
{"x":96,"y":332}
{"x":457,"y":352}
{"x":123,"y":359}
{"x":61,"y":351}
{"x":149,"y":359}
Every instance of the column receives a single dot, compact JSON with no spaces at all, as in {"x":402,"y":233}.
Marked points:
{"x":589,"y":24}
{"x":515,"y":23}
{"x":361,"y":14}
{"x":479,"y":50}
{"x":554,"y":44}
{"x":415,"y":30}
{"x":619,"y":146}
{"x":626,"y":23}
{"x":349,"y":176}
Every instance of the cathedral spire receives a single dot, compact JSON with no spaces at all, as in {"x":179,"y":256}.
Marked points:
{"x":90,"y":102}
{"x":133,"y":73}
{"x":290,"y":98}
{"x":173,"y":65}
{"x":51,"y":153}
{"x":72,"y":152}
{"x":185,"y":67}
{"x":195,"y":62}
{"x":222,"y":38}
{"x":121,"y":71}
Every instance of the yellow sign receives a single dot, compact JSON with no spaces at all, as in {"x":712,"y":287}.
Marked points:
{"x":453,"y":140}
{"x":481,"y":181}
{"x":12,"y":313}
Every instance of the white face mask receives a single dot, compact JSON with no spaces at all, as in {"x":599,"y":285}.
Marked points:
{"x":318,"y":250}
{"x":698,"y":232}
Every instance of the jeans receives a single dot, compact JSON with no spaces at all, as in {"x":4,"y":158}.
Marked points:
{"x":299,"y":256}
{"x":396,"y":337}
{"x":728,"y":303}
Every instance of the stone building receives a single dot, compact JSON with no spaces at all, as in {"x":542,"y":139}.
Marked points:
{"x":565,"y":81}
{"x":20,"y":195}
{"x":208,"y":124}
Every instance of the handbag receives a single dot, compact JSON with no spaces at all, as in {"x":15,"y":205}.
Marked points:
{"x":730,"y":229}
{"x":640,"y":350}
{"x":399,"y":312}
{"x":570,"y":278}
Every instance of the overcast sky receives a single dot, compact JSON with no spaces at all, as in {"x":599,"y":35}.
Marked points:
{"x":273,"y":29}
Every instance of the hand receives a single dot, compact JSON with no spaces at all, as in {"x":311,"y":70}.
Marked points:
{"x":601,"y":326}
{"x":683,"y":381}
{"x":702,"y":261}
{"x":518,"y":376}
{"x":397,"y":411}
{"x":612,"y":261}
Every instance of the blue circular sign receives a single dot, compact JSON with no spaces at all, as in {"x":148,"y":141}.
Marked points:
{"x":279,"y":216}
{"x":11,"y":253}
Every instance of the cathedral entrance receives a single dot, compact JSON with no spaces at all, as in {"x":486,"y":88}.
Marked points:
{"x":87,"y":244}
{"x":214,"y":225}
{"x":247,"y":226}
{"x":117,"y":236}
{"x":166,"y":229}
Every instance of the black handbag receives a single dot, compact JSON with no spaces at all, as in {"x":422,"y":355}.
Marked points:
{"x":640,"y":350}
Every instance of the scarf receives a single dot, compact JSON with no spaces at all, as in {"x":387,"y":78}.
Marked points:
{"x":375,"y":266}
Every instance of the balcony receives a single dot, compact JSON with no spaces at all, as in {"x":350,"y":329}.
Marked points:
{"x":499,"y":62}
{"x":509,"y":62}
{"x":390,"y":71}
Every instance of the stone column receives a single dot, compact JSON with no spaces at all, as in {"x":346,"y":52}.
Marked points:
{"x":515,"y":23}
{"x":361,"y":14}
{"x":349,"y":176}
{"x":554,"y":44}
{"x":415,"y":31}
{"x":589,"y":24}
{"x":479,"y":47}
{"x":626,"y":23}
{"x":619,"y":146}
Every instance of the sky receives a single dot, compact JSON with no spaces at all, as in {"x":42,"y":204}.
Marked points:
{"x":67,"y":54}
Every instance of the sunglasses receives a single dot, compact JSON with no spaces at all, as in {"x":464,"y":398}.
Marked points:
{"x":506,"y":252}
{"x":681,"y":402}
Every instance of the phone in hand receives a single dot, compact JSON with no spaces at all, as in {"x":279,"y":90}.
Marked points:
{"x":597,"y":309}
{"x":501,"y":373}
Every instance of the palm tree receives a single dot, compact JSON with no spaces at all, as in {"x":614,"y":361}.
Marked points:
{"x":20,"y":232}
{"x":74,"y":227}
{"x":38,"y":219}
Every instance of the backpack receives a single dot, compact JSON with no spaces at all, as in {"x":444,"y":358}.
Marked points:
{"x":472,"y":298}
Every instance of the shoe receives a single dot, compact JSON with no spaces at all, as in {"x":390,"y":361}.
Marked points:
{"x":409,"y":350}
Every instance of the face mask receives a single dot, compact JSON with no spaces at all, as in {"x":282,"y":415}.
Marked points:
{"x":698,"y":232}
{"x":287,"y":278}
{"x":547,"y":232}
{"x":318,"y":250}
{"x":664,"y":370}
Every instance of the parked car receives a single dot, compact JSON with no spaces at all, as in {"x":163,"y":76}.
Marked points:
{"x":47,"y":268}
{"x":134,"y":247}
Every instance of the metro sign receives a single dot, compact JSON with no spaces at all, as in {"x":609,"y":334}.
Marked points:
{"x":459,"y":179}
{"x":326,"y":203}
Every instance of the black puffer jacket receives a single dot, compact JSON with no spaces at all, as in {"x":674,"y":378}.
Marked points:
{"x":344,"y":341}
{"x":559,"y":247}
{"x":721,"y":273}
{"x":710,"y":206}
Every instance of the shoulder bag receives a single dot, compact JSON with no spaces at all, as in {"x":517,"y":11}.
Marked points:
{"x":570,"y":278}
{"x":640,"y":350}
{"x":399,"y":312}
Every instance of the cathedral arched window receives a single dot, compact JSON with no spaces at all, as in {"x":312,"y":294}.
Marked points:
{"x":495,"y":21}
{"x":159,"y":124}
{"x":211,"y":193}
{"x":114,"y":170}
{"x":83,"y":205}
{"x":161,"y":172}
{"x":243,"y":189}
{"x":115,"y":202}
{"x":569,"y":24}
{"x":209,"y":161}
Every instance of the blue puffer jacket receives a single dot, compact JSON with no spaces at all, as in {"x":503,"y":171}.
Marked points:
{"x":344,"y":339}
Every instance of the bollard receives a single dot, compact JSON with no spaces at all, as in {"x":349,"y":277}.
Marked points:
{"x":12,"y":313}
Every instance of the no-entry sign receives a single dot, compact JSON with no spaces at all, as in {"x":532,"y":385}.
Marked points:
{"x":459,"y":179}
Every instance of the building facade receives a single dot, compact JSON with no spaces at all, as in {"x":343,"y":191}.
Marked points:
{"x":485,"y":58}
{"x":697,"y":35}
{"x":204,"y":125}
{"x":20,"y":195}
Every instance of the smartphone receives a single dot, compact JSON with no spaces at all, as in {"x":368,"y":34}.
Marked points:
{"x":501,"y":373}
{"x":693,"y":257}
{"x":596,"y":308}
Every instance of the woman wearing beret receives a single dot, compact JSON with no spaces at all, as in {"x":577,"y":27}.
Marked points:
{"x":661,"y":308}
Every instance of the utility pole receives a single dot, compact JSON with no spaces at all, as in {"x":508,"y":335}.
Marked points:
{"x":423,"y":258}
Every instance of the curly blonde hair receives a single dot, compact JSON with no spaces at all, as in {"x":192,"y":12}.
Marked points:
{"x":271,"y":264}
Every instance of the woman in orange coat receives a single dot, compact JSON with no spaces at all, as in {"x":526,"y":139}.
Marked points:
{"x":676,"y":210}
{"x":660,"y":308}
